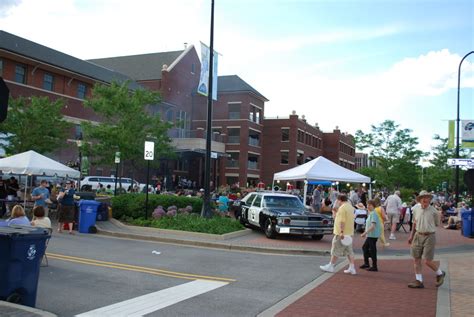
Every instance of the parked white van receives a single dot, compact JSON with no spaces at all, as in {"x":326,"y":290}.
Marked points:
{"x":94,"y":182}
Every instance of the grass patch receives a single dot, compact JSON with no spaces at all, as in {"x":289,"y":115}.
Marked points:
{"x":192,"y":223}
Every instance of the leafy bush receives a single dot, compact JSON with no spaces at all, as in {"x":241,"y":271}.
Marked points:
{"x":133,"y":205}
{"x":192,"y":222}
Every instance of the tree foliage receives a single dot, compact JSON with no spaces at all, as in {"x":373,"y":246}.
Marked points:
{"x":34,"y":124}
{"x":126,"y":122}
{"x":395,"y":152}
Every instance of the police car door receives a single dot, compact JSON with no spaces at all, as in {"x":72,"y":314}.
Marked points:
{"x":254,"y":211}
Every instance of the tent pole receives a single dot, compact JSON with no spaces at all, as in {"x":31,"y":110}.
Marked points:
{"x":26,"y":188}
{"x":305,"y":191}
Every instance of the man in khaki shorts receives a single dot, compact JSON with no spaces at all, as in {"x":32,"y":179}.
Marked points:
{"x":423,"y":239}
{"x":343,"y":226}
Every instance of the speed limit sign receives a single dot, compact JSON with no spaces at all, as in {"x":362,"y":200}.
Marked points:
{"x":149,"y":150}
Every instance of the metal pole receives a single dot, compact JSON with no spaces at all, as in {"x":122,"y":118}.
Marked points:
{"x":458,"y":124}
{"x":147,"y":181}
{"x":207,"y":168}
{"x":116,"y":173}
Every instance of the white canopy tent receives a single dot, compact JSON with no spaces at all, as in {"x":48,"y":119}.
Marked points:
{"x":31,"y":163}
{"x":320,"y":169}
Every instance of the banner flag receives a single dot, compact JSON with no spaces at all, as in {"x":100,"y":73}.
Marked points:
{"x":451,"y":134}
{"x":203,"y":88}
{"x":467,"y":130}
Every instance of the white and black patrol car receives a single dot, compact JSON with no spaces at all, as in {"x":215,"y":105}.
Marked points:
{"x":278,"y":213}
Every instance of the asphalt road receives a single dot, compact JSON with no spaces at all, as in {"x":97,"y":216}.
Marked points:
{"x":87,"y":272}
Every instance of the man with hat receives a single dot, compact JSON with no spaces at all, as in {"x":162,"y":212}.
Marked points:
{"x":422,"y":239}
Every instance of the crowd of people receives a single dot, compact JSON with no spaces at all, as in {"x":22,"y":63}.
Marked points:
{"x":43,"y":196}
{"x":422,"y":239}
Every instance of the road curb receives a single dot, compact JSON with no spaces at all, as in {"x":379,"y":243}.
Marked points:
{"x":11,"y":309}
{"x":215,"y":245}
{"x":443,"y":304}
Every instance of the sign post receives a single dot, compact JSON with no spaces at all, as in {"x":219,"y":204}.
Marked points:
{"x":149,"y":156}
{"x":117,"y":162}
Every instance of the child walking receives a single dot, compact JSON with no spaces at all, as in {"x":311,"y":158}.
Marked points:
{"x":372,"y":232}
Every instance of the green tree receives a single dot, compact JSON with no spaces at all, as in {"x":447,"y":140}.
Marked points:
{"x":127,"y":120}
{"x":395,"y":153}
{"x":34,"y":124}
{"x":439,"y":171}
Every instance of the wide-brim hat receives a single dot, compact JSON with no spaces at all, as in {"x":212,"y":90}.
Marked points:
{"x":360,"y":206}
{"x":423,"y":194}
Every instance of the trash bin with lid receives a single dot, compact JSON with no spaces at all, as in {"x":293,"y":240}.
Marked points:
{"x":87,"y":215}
{"x":467,"y":216}
{"x":22,"y":249}
{"x":103,"y":212}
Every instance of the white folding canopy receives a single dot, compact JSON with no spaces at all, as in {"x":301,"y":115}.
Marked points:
{"x":32,"y":163}
{"x":320,"y":169}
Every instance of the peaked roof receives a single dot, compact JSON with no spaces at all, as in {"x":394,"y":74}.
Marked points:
{"x":38,"y":52}
{"x":321,"y":169}
{"x":233,"y":83}
{"x":32,"y":163}
{"x":139,"y":67}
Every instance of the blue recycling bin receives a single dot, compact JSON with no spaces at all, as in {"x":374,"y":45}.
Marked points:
{"x":467,"y":217}
{"x":21,"y":249}
{"x":87,"y":214}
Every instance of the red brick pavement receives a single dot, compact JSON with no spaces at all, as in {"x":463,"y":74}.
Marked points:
{"x":384,"y":293}
{"x":444,"y":239}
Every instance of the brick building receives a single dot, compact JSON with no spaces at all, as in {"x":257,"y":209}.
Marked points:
{"x":289,"y":142}
{"x":246,"y":147}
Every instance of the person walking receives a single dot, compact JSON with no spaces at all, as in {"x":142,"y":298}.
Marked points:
{"x":382,"y":217}
{"x":343,"y":226}
{"x":423,"y":239}
{"x":393,"y":205}
{"x":317,"y":199}
{"x":372,"y":232}
{"x":41,"y":195}
{"x":67,"y":208}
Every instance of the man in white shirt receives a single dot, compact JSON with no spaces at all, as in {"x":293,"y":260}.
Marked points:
{"x":393,"y":205}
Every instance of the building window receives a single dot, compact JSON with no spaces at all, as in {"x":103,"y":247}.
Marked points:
{"x":78,"y":132}
{"x":284,"y":158}
{"x":48,"y":82}
{"x":81,"y":90}
{"x":234,"y":111}
{"x":1,"y":67}
{"x":169,"y":115}
{"x":252,"y":162}
{"x":299,"y":158}
{"x":254,"y":138}
{"x":257,"y":116}
{"x":233,"y":135}
{"x":20,"y":74}
{"x":300,"y":136}
{"x":233,"y":160}
{"x":285,"y":134}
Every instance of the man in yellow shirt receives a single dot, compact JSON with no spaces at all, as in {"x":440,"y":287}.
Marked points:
{"x":343,"y":226}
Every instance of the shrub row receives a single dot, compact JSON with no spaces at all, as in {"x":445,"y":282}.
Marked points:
{"x":133,"y":205}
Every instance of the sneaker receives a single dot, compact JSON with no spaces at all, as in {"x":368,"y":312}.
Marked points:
{"x":350,"y":271}
{"x":386,"y":245}
{"x":416,"y":284}
{"x":440,"y":279}
{"x":364,"y":266}
{"x":327,"y":268}
{"x":373,"y":269}
{"x":392,"y":237}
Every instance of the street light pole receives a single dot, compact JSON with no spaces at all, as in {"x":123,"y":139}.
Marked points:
{"x":458,"y":123}
{"x":207,"y":168}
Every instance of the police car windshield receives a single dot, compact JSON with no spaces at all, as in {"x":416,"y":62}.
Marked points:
{"x":282,"y":202}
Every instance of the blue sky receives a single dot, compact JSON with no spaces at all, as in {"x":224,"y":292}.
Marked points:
{"x":340,"y":63}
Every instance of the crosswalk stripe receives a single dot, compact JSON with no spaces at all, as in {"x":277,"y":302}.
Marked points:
{"x":149,"y":303}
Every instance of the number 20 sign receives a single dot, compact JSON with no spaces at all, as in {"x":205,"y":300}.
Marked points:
{"x":149,"y":150}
